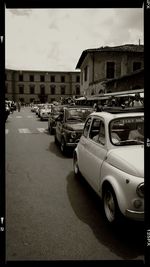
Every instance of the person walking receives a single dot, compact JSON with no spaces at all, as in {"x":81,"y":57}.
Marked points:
{"x":19,"y":106}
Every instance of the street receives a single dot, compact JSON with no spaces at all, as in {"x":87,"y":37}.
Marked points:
{"x":51,"y":215}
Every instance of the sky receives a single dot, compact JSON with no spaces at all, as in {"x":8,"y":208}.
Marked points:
{"x":54,"y":39}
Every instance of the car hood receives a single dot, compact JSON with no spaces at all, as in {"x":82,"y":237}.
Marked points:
{"x":45,"y":110}
{"x":78,"y":126}
{"x":128,"y":159}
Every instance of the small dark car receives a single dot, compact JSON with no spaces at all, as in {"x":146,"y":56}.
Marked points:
{"x":55,"y":112}
{"x":7,"y":111}
{"x":69,"y":126}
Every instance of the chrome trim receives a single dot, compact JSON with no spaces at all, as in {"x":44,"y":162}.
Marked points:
{"x":135,"y":215}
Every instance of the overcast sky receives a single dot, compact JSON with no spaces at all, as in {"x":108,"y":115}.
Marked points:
{"x":53,"y":39}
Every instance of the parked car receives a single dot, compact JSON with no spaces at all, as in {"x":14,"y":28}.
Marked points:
{"x":69,"y":126}
{"x":111,"y":159}
{"x":7,"y":110}
{"x":45,"y":112}
{"x":34,"y":107}
{"x":56,"y":110}
{"x":38,"y":110}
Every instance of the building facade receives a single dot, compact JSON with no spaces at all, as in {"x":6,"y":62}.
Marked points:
{"x":40,"y":86}
{"x":100,"y":65}
{"x":132,"y":81}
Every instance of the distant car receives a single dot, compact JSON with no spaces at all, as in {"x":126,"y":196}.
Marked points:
{"x":55,"y":112}
{"x":45,"y":112}
{"x":34,"y":107}
{"x":39,"y":107}
{"x":69,"y":126}
{"x":111,"y":159}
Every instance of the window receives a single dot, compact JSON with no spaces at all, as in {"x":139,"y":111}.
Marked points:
{"x":78,"y":79}
{"x":31,"y":89}
{"x":52,"y":90}
{"x":136,"y":66}
{"x":62,"y":79}
{"x":86,"y":127}
{"x":21,"y":77}
{"x":85,"y":74}
{"x":31,"y":78}
{"x":42,"y":78}
{"x":42,"y":89}
{"x":62,"y":90}
{"x":110,"y":71}
{"x":52,"y":79}
{"x":97,"y":132}
{"x":21,"y":89}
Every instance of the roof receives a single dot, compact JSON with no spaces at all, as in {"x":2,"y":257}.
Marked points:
{"x":122,"y":48}
{"x":110,"y":116}
{"x":137,"y":72}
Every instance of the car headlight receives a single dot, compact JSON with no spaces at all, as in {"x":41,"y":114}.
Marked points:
{"x":140,"y":190}
{"x":73,"y":134}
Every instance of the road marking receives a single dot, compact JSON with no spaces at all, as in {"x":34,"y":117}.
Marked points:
{"x":6,"y":131}
{"x":41,"y":130}
{"x":30,"y":116}
{"x":18,"y":117}
{"x":24,"y":130}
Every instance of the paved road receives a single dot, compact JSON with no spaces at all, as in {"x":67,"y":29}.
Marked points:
{"x":49,"y":214}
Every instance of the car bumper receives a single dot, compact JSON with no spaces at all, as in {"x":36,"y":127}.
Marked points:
{"x":72,"y":144}
{"x":45,"y":116}
{"x":135,"y":215}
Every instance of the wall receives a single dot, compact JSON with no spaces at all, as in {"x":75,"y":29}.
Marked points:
{"x":12,"y":82}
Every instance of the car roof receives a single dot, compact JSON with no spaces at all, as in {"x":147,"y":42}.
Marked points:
{"x":110,"y":116}
{"x":79,"y":107}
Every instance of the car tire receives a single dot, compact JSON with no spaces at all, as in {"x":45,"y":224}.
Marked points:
{"x":75,"y":165}
{"x":50,"y":130}
{"x":63,"y":145}
{"x":55,"y":139}
{"x":110,"y":204}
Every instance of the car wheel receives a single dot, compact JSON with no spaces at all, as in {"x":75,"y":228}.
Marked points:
{"x":75,"y":165}
{"x":63,"y":145}
{"x":55,"y":138}
{"x":50,"y":130}
{"x":111,"y":208}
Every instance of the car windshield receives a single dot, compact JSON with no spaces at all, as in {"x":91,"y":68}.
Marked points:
{"x":57,"y":109}
{"x":127,"y":131}
{"x":78,"y":113}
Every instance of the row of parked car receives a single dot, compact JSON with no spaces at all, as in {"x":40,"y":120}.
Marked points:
{"x":108,"y":151}
{"x":10,"y":106}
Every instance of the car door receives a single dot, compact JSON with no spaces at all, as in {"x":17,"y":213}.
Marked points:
{"x":81,"y":146}
{"x":95,"y":152}
{"x":59,"y":126}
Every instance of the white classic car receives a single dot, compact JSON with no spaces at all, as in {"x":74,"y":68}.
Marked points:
{"x":110,"y":156}
{"x":45,"y":111}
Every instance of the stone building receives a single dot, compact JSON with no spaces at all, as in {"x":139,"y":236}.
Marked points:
{"x":40,"y":86}
{"x":134,"y":80}
{"x":100,"y":65}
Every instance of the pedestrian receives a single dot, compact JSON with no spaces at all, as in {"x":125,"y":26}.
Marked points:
{"x":137,"y":101}
{"x":19,"y":106}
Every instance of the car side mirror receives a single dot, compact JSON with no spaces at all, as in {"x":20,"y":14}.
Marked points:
{"x":60,"y":117}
